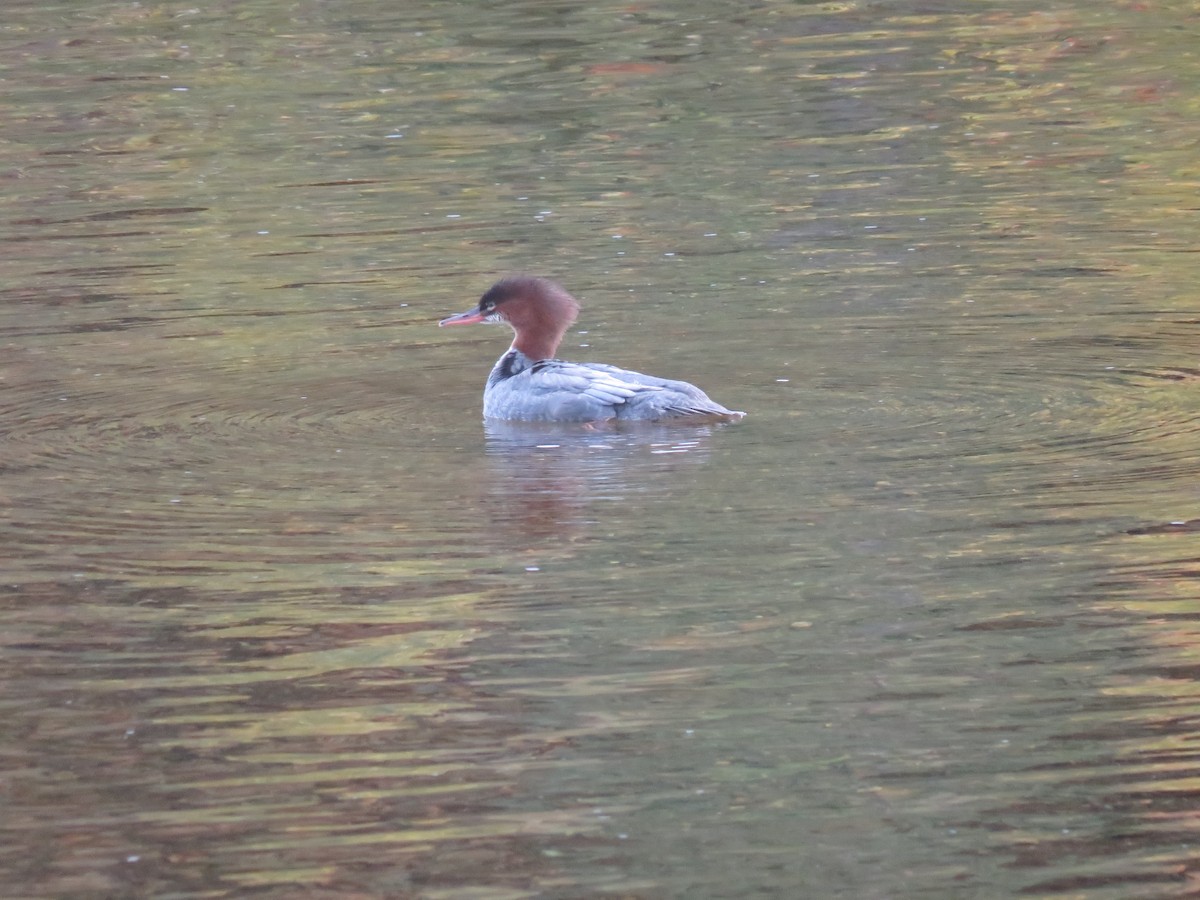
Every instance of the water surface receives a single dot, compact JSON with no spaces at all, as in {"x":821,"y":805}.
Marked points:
{"x":281,"y":616}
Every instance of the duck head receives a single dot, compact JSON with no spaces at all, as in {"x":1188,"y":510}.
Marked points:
{"x":538,"y":310}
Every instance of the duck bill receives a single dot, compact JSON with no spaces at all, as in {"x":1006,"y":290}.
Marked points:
{"x":469,"y":317}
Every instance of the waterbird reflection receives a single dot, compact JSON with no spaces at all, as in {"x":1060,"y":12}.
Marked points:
{"x":547,"y":479}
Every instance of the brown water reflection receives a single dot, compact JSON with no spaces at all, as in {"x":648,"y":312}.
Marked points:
{"x":281,"y":618}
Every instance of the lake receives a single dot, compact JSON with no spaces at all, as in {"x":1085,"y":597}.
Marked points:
{"x":283,"y":617}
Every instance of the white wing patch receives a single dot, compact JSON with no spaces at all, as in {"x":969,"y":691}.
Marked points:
{"x":602,"y":387}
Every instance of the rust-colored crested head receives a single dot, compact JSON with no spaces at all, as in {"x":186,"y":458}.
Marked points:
{"x":539,"y":310}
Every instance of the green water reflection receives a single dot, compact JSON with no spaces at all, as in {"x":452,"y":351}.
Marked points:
{"x":281,"y":617}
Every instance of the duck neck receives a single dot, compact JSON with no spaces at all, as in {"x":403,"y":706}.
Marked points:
{"x":539,"y":344}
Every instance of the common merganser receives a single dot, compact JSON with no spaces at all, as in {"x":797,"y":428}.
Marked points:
{"x":528,"y":384}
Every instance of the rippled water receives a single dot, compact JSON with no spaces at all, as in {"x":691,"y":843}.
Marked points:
{"x":282,"y":618}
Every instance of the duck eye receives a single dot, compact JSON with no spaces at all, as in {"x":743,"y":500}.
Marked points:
{"x":489,"y":306}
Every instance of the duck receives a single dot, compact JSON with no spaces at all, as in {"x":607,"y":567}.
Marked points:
{"x":530,"y":384}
